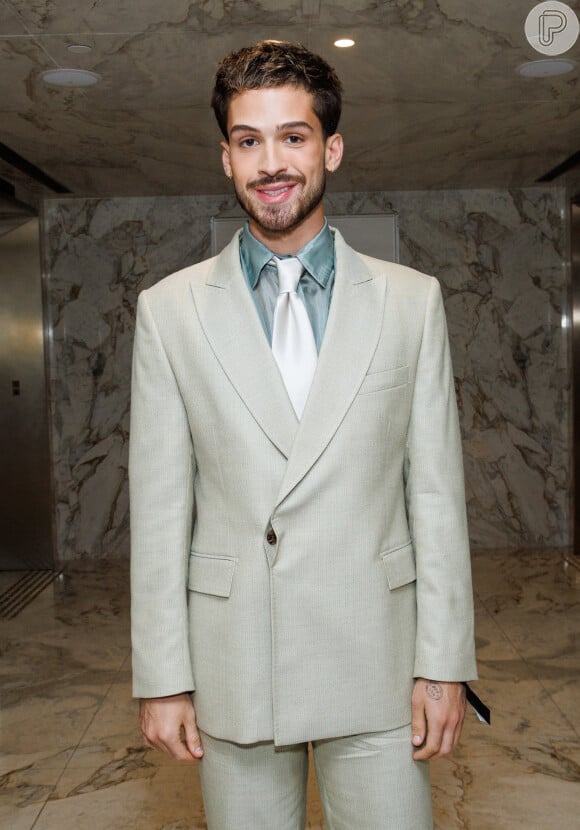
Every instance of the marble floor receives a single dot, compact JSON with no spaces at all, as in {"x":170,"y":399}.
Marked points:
{"x":71,"y":756}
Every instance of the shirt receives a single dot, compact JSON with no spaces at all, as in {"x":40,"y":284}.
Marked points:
{"x":315,"y":286}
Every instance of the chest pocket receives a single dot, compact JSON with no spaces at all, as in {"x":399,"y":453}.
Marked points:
{"x":387,"y":379}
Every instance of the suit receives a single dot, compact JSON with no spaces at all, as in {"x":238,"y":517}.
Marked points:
{"x":296,"y":575}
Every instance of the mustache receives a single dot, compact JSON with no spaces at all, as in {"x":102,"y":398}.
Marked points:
{"x":280,"y":179}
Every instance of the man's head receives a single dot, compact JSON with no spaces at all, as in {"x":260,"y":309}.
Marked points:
{"x":278,"y":106}
{"x":273,"y":63}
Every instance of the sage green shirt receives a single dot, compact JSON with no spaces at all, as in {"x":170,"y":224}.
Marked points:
{"x":315,"y":286}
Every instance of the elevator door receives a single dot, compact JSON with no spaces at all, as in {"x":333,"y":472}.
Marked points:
{"x":25,"y":493}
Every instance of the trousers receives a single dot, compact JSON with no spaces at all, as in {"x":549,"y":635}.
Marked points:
{"x":366,"y":782}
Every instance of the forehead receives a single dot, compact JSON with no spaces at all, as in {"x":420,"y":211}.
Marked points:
{"x":270,"y":107}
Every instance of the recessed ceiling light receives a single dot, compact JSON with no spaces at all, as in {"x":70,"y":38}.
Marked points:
{"x":344,"y":43}
{"x":69,"y":77}
{"x":546,"y":68}
{"x":79,"y":48}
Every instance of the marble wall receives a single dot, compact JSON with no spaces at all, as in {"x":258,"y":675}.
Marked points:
{"x":501,"y":258}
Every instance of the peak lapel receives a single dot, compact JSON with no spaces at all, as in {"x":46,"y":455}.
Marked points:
{"x":232,"y":326}
{"x":351,"y":337}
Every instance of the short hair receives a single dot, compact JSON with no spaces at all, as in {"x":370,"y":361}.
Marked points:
{"x":273,"y":63}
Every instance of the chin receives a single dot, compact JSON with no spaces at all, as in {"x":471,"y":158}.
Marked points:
{"x":282,"y":219}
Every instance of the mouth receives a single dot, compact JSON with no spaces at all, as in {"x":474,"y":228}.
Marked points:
{"x":275,"y":194}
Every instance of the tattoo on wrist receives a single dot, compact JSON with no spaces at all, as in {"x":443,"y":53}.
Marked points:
{"x":434,"y":691}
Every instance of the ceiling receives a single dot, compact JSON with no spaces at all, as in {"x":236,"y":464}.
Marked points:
{"x":432,"y":98}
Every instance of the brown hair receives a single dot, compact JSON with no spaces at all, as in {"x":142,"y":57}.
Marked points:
{"x":273,"y":63}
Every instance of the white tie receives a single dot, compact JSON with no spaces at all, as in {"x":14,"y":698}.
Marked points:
{"x":293,"y":344}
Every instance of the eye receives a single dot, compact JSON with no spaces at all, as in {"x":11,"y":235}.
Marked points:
{"x":248,"y":142}
{"x":294,"y":139}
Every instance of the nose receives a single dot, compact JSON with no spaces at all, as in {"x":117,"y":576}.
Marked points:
{"x":272,"y":161}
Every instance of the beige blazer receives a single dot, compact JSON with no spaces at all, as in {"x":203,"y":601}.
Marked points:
{"x":297,"y":576}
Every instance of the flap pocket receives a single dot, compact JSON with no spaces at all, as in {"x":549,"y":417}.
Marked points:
{"x":389,"y":379}
{"x":400,"y":566}
{"x":211,"y":574}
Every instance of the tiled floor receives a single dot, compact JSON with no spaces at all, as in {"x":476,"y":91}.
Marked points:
{"x":71,"y":756}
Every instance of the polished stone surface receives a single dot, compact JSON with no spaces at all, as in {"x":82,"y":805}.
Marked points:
{"x":500,"y":258}
{"x":71,"y":757}
{"x":432,"y":96}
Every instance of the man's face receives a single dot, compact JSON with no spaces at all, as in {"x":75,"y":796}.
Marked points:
{"x":277,"y":157}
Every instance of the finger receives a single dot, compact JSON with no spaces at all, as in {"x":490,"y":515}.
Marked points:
{"x":191,"y":737}
{"x":459,"y":728}
{"x":192,"y":740}
{"x":446,"y":744}
{"x":418,"y":723}
{"x":432,"y":743}
{"x":148,"y":738}
{"x":428,"y":751}
{"x":166,"y":741}
{"x":174,"y":746}
{"x":449,"y":735}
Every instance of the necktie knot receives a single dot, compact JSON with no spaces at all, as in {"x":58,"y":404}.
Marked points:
{"x":289,"y":272}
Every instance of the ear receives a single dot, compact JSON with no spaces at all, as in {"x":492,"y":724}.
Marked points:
{"x":333,"y":150}
{"x":226,"y":158}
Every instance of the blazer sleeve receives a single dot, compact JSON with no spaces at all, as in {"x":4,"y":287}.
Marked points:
{"x":435,"y":497}
{"x":161,"y":473}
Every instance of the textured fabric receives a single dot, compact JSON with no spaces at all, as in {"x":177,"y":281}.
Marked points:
{"x":315,"y":287}
{"x":328,"y":563}
{"x":254,"y":787}
{"x":366,"y":782}
{"x":371,"y":782}
{"x":293,"y":344}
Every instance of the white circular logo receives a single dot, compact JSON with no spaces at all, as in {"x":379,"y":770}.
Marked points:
{"x":552,"y":28}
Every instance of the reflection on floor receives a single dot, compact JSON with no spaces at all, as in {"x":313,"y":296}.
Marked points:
{"x":71,"y":757}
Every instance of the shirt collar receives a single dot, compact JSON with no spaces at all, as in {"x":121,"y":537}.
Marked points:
{"x":317,"y":256}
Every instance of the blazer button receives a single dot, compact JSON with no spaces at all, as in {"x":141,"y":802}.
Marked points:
{"x":271,"y":537}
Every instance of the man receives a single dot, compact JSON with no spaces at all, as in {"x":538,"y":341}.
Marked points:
{"x":300,"y":566}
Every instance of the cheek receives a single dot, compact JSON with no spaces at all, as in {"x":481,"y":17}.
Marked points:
{"x":238,"y":161}
{"x":316,"y":177}
{"x":313,"y":169}
{"x":240,"y":174}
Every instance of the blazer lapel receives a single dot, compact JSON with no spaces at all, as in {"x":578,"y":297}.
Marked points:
{"x":231,"y":324}
{"x":351,"y":337}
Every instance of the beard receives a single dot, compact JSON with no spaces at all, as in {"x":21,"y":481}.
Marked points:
{"x":285,"y":217}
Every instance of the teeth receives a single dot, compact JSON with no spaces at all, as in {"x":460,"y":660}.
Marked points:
{"x":276,"y":192}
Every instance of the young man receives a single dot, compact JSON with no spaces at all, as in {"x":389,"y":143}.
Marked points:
{"x":300,"y":566}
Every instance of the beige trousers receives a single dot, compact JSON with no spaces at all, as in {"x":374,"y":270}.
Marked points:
{"x":366,"y":782}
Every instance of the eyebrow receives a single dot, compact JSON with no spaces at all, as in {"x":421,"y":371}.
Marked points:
{"x":289,"y":125}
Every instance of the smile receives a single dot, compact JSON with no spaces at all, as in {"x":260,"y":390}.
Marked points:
{"x":274,"y":194}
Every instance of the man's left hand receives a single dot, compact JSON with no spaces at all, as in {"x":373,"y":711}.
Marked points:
{"x":438,"y":711}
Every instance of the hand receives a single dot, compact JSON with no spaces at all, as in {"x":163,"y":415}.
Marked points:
{"x":168,"y":724}
{"x":438,"y":712}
